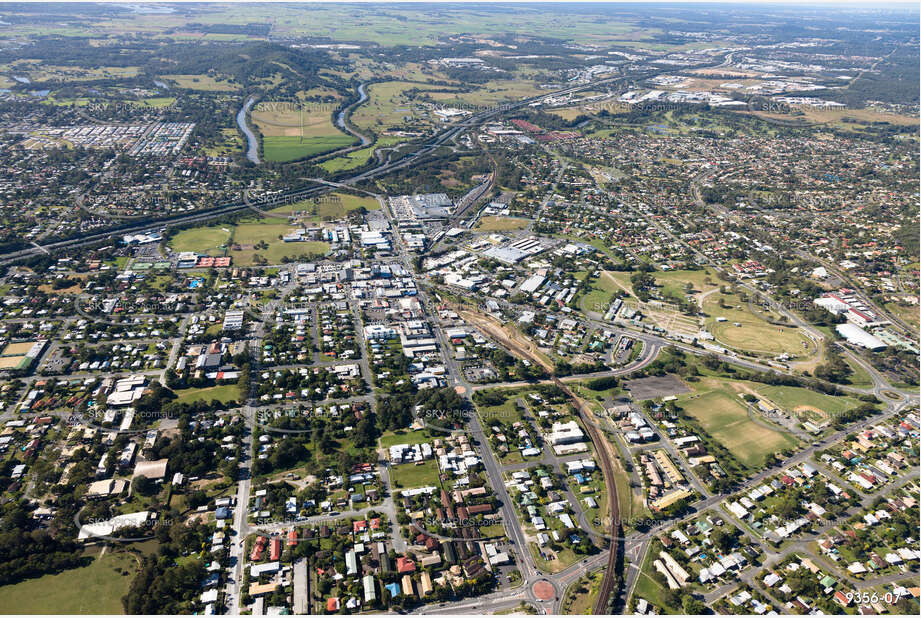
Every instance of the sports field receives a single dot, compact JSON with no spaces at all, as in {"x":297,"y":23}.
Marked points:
{"x":94,"y":589}
{"x":813,"y":405}
{"x":205,"y":240}
{"x":723,"y":416}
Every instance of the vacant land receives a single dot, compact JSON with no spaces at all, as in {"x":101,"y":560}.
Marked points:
{"x":502,"y":224}
{"x":493,"y":92}
{"x":392,"y":104}
{"x":836,"y":117}
{"x":598,"y":298}
{"x":405,"y":476}
{"x":648,"y":588}
{"x":655,"y":387}
{"x":404,"y":436}
{"x":248,"y":236}
{"x":223,"y":393}
{"x":722,"y":415}
{"x":94,"y":589}
{"x":250,"y":242}
{"x":201,"y":239}
{"x":229,"y":143}
{"x":734,"y":324}
{"x":580,"y":597}
{"x":330,"y":207}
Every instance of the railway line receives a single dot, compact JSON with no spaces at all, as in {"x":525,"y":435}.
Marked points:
{"x":609,"y":580}
{"x":615,"y":535}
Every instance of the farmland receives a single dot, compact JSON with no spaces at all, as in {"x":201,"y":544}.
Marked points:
{"x":291,"y":148}
{"x":294,"y":131}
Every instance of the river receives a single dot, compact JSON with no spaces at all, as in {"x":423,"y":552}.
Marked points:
{"x":252,"y":149}
{"x":340,"y":118}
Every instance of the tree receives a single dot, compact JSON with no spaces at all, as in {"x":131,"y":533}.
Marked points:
{"x":144,"y":486}
{"x":692,"y":606}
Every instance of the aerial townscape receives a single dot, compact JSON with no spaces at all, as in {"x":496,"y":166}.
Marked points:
{"x":459,"y":308}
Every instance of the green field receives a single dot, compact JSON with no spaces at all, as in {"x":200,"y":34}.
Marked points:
{"x":201,"y":240}
{"x":793,"y":399}
{"x":860,"y":378}
{"x":648,"y":588}
{"x":229,"y":143}
{"x":282,"y":148}
{"x":722,"y":415}
{"x":389,"y":105}
{"x":93,"y":589}
{"x":753,"y":334}
{"x":403,"y":436}
{"x":339,"y":206}
{"x":598,"y":298}
{"x":580,"y":596}
{"x":564,"y":558}
{"x":673,"y":282}
{"x":408,"y":475}
{"x":223,"y":393}
{"x":502,"y":224}
{"x":359,"y":157}
{"x":248,"y":235}
{"x":202,"y":82}
{"x":243,"y":240}
{"x":506,"y":413}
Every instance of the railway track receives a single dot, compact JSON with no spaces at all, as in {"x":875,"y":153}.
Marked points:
{"x":609,"y":580}
{"x":607,"y":469}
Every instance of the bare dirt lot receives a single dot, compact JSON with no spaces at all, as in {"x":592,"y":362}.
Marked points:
{"x":656,"y":386}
